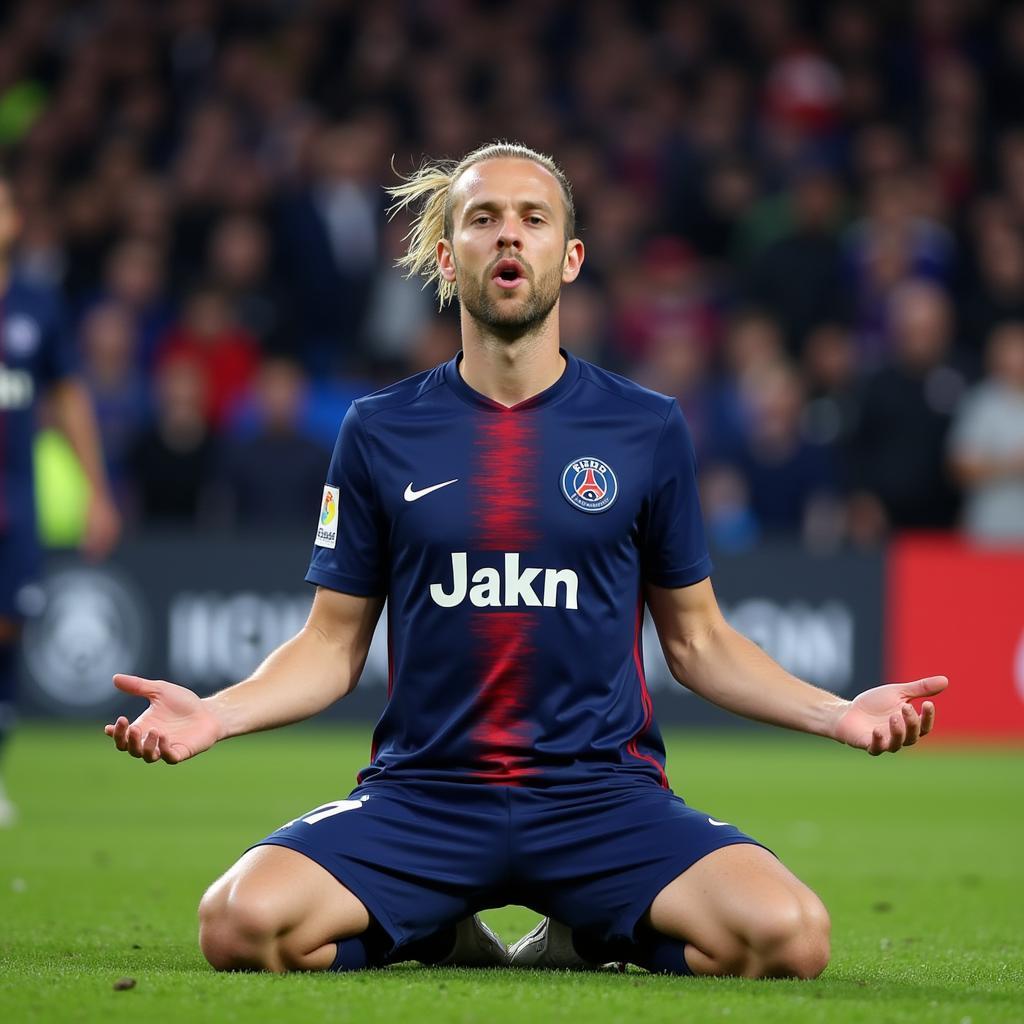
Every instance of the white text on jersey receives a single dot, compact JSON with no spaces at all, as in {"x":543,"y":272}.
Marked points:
{"x":490,"y":590}
{"x":16,"y":388}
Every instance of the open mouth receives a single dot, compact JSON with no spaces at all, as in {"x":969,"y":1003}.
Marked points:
{"x":508,"y":274}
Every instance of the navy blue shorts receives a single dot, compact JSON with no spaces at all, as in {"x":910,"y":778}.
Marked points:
{"x":20,"y":564}
{"x":424,"y":855}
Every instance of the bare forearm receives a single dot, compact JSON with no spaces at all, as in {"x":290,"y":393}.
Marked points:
{"x":78,"y":423}
{"x":300,"y":678}
{"x":729,"y":670}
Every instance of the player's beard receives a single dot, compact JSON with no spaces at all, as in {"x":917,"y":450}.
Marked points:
{"x":508,"y":317}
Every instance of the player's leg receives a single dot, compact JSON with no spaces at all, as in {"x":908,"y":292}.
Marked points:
{"x":9,"y":633}
{"x":739,"y":911}
{"x":638,"y":875}
{"x":20,"y":564}
{"x":394,"y":872}
{"x":277,"y":910}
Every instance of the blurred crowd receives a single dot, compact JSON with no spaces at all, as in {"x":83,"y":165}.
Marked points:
{"x":804,"y":220}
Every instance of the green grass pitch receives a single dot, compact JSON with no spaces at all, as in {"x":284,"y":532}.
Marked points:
{"x":919,"y":857}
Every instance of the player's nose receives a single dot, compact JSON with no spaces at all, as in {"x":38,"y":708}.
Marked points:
{"x":510,"y":235}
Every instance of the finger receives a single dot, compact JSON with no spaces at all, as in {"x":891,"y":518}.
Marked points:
{"x":912,"y":721}
{"x":173,"y":754}
{"x":109,"y":730}
{"x":137,"y":685}
{"x":121,"y":727}
{"x":927,"y":717}
{"x":877,"y":744}
{"x":135,"y":741}
{"x":927,"y":687}
{"x":897,"y":732}
{"x":150,"y":742}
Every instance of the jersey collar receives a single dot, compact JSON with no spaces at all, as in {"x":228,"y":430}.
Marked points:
{"x":549,"y":395}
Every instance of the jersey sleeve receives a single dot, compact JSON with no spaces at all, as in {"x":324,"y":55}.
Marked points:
{"x":349,"y":549}
{"x":675,"y":550}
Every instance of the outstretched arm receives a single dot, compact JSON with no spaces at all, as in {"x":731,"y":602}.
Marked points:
{"x":316,"y":667}
{"x":708,"y":656}
{"x":75,"y":417}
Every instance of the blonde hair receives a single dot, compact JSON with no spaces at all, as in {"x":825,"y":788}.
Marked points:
{"x":430,"y":189}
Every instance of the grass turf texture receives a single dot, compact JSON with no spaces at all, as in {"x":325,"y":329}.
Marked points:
{"x":918,"y":858}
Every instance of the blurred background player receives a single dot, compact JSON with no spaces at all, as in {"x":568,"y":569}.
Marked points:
{"x":36,"y":362}
{"x":987,"y":443}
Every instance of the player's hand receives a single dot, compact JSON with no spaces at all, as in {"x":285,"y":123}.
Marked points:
{"x":102,"y":527}
{"x":883,"y":719}
{"x":177,"y":725}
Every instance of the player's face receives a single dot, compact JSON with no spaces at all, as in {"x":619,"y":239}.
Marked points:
{"x":508,"y":251}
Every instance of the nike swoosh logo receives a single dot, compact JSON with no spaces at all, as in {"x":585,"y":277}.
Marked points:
{"x":413,"y":495}
{"x":713,"y":822}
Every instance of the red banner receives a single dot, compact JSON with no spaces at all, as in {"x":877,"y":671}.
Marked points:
{"x":957,"y":610}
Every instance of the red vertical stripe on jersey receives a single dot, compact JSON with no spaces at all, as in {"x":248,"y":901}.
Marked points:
{"x":504,"y":483}
{"x":645,"y":695}
{"x":505,"y":639}
{"x":503,"y":494}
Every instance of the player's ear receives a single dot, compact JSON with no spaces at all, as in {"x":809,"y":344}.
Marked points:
{"x":573,"y":260}
{"x":446,"y":260}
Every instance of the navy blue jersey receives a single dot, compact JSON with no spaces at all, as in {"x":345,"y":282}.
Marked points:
{"x":35,"y":351}
{"x":512,"y":544}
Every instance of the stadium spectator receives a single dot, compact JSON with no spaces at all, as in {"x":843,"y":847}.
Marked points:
{"x":113,"y":375}
{"x":584,"y":324}
{"x":668,"y":290}
{"x":174,"y":462}
{"x":238,"y":262}
{"x":135,"y":276}
{"x":998,"y":292}
{"x":987,"y":442}
{"x":329,"y":238}
{"x":890,"y":245}
{"x":799,"y":277}
{"x":679,"y":364}
{"x":399,"y":306}
{"x":899,"y":474}
{"x":831,"y":415}
{"x":792,"y":481}
{"x":725,"y":502}
{"x":753,"y":344}
{"x":210,"y":336}
{"x":277,"y":451}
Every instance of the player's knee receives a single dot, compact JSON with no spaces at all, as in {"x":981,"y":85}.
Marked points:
{"x":237,"y":930}
{"x":815,"y":949}
{"x":792,"y":941}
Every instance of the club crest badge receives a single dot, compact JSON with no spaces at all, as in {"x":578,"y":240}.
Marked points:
{"x":590,"y":485}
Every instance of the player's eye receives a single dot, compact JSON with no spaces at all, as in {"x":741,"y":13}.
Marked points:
{"x":535,"y":219}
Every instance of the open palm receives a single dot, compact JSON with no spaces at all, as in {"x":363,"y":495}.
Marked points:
{"x":177,"y":724}
{"x":883,"y":719}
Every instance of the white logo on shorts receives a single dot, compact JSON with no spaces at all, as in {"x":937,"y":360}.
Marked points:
{"x":328,"y":811}
{"x":713,"y":822}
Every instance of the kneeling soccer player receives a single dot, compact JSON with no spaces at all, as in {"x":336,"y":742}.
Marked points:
{"x":516,"y":507}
